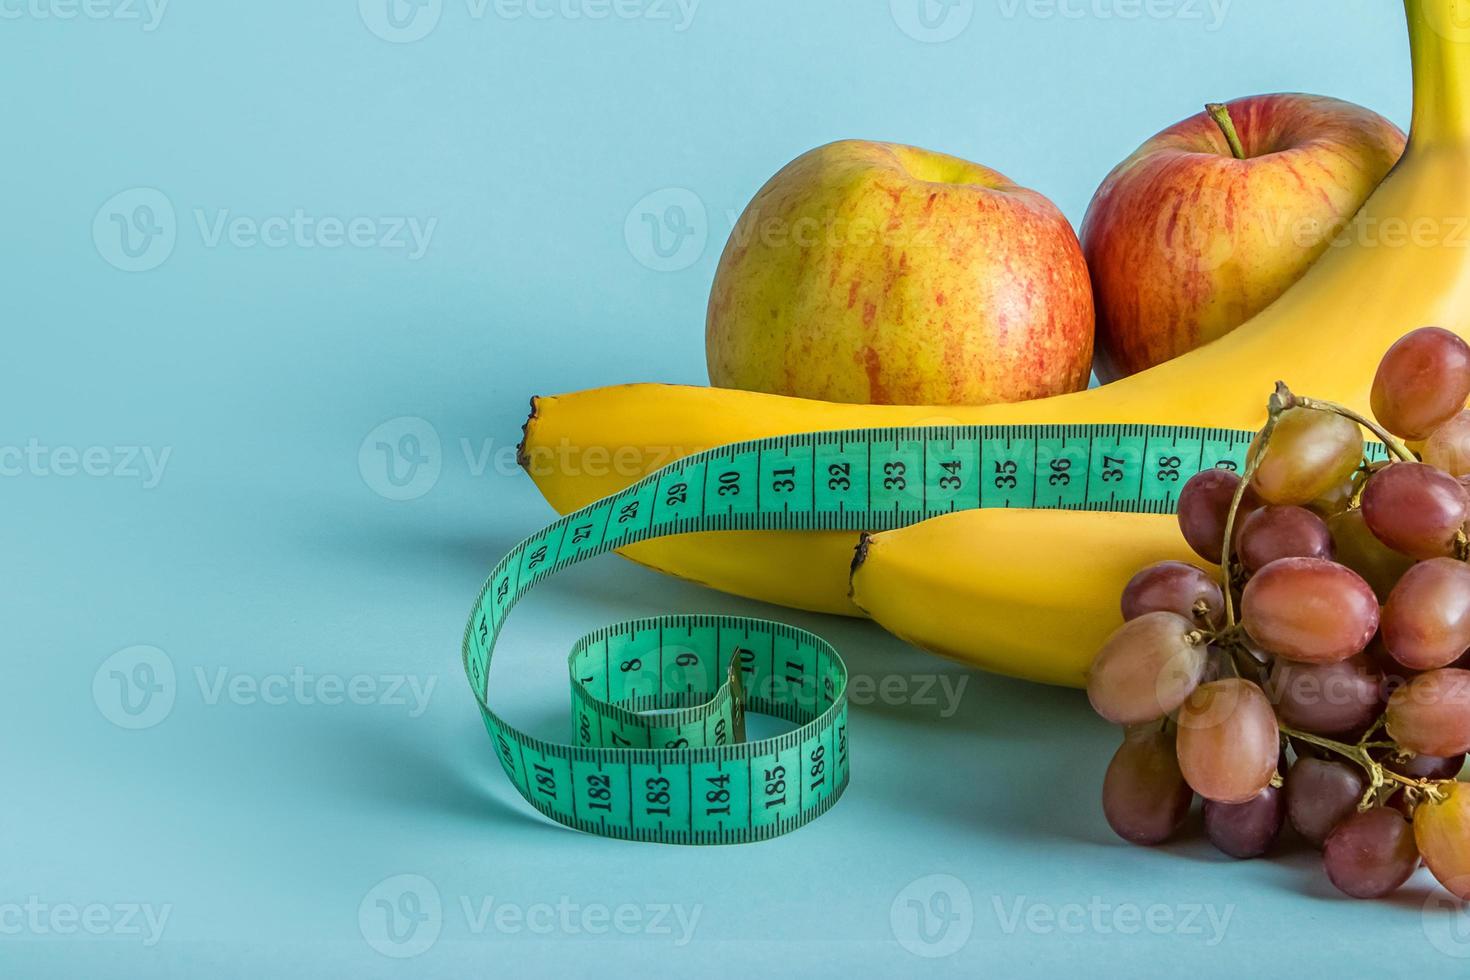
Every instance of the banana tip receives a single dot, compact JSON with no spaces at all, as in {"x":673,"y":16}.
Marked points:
{"x":523,"y":458}
{"x":859,"y":556}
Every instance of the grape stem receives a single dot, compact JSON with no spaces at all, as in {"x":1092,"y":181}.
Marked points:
{"x":1378,"y":775}
{"x":1274,"y":409}
{"x":1316,"y":404}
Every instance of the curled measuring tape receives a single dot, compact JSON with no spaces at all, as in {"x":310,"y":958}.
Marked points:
{"x":658,"y":705}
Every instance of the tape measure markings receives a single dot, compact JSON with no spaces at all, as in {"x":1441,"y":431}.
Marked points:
{"x":658,"y":750}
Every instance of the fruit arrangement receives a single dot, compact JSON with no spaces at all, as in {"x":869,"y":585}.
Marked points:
{"x":848,"y":269}
{"x":1322,"y":676}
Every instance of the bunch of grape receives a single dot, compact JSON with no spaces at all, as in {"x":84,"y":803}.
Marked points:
{"x":1339,"y":699}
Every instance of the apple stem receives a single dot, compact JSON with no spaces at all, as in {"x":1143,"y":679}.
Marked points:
{"x":1220,"y":112}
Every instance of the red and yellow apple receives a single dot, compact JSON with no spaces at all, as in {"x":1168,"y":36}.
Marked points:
{"x":887,"y":274}
{"x":1210,"y":221}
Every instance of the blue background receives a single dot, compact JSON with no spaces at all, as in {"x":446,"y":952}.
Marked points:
{"x":268,"y":547}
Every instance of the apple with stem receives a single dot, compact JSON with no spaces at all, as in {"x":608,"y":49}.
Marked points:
{"x":888,"y":274}
{"x":1210,"y":221}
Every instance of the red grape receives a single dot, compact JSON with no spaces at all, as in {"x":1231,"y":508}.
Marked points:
{"x":1320,"y":794}
{"x":1356,"y":547}
{"x":1311,"y":453}
{"x":1310,"y":610}
{"x":1431,"y":714}
{"x":1174,"y":586}
{"x":1422,"y":382}
{"x":1449,"y":448}
{"x":1282,"y":532}
{"x":1146,"y":669}
{"x":1246,"y":830}
{"x":1371,"y":854}
{"x":1442,"y":831}
{"x":1415,"y":509}
{"x":1426,"y":622}
{"x":1204,"y":504}
{"x":1145,"y":797}
{"x":1326,"y":699}
{"x":1228,"y":741}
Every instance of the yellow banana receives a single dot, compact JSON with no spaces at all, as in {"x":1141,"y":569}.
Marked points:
{"x":1029,"y":593}
{"x":1403,"y":263}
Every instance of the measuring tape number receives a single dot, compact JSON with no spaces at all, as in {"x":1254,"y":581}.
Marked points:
{"x":658,"y":705}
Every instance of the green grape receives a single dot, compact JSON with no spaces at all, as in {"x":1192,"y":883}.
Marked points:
{"x":1146,"y":669}
{"x":1356,"y":547}
{"x":1311,"y":453}
{"x":1449,"y":448}
{"x":1442,"y":831}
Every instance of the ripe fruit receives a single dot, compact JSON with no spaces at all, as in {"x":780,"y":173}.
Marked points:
{"x":1145,"y":798}
{"x":888,"y":274}
{"x":1177,"y":587}
{"x":1146,"y":669}
{"x":1320,"y":794}
{"x":1448,"y":448}
{"x":1228,"y":740}
{"x":1416,"y":509}
{"x":1431,"y":714}
{"x":1371,"y":854}
{"x":1310,"y":610}
{"x":1186,"y":242}
{"x":1311,"y":453}
{"x":1442,"y":831}
{"x":1246,"y":830}
{"x":1426,"y":622}
{"x":1282,"y":532}
{"x":1356,"y":547}
{"x":1422,"y":383}
{"x":1204,"y":503}
{"x":1326,"y":699}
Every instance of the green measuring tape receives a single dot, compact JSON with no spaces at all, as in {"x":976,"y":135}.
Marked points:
{"x":658,"y":705}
